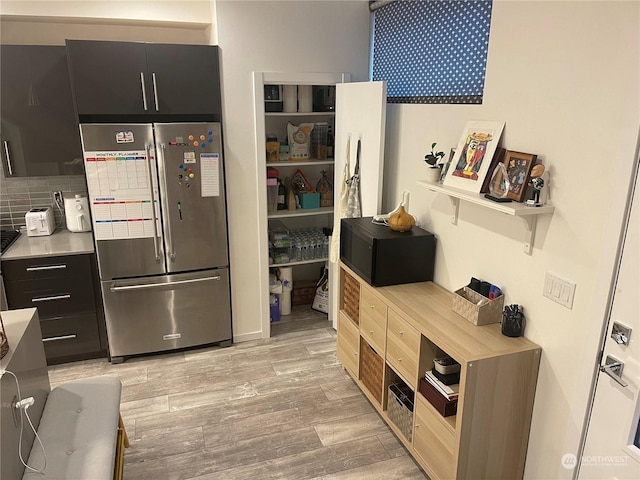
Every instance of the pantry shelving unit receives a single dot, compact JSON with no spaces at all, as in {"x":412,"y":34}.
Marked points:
{"x":529,"y":215}
{"x":276,"y":123}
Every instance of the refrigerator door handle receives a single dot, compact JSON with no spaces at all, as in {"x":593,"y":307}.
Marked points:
{"x":158,"y":285}
{"x":153,"y":207}
{"x":172,"y":253}
{"x":8,"y":157}
{"x":155,"y":91}
{"x":144,"y":91}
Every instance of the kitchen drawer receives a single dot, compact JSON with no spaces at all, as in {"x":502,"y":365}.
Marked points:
{"x":348,"y":344}
{"x":403,"y":348}
{"x":373,"y":320}
{"x":69,"y":336}
{"x":53,"y":297}
{"x":72,"y":266}
{"x":432,"y":440}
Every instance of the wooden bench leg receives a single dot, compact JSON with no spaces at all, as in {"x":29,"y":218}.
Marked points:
{"x":122,"y":443}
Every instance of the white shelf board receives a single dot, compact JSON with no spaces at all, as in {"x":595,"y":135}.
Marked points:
{"x":301,"y":262}
{"x":300,"y":114}
{"x":301,"y":212}
{"x":529,"y":215}
{"x":304,"y":163}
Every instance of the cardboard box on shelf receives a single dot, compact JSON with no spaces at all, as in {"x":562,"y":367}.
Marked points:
{"x":304,"y":292}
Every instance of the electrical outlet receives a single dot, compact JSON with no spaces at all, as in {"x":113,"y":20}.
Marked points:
{"x":558,"y":289}
{"x":57,"y":198}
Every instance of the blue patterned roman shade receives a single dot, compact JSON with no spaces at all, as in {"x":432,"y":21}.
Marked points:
{"x":432,"y":51}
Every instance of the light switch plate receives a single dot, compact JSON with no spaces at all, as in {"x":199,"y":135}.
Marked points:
{"x":559,"y":289}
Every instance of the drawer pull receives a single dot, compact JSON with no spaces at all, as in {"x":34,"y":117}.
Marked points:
{"x":371,"y":332}
{"x":401,"y":333}
{"x":46,"y":267}
{"x":54,"y":297}
{"x":399,"y":359}
{"x":62,"y":337}
{"x":372,"y":306}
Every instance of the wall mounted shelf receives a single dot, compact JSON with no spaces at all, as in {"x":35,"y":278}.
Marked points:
{"x":529,"y":215}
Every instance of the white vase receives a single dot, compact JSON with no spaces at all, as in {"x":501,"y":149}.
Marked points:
{"x":433,"y":174}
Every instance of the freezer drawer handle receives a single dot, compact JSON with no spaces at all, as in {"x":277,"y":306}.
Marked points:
{"x":54,"y":297}
{"x":144,"y":91}
{"x":6,"y":154}
{"x":153,"y":208}
{"x":46,"y":267}
{"x":155,"y":91}
{"x":62,"y":337}
{"x":159,"y":285}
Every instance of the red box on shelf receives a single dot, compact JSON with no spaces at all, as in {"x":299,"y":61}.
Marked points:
{"x":444,"y":406}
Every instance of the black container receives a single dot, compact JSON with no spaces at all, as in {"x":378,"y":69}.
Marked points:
{"x":381,"y":256}
{"x":513,"y":324}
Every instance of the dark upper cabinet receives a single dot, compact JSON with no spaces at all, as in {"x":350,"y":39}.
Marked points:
{"x":39,"y":128}
{"x":150,"y":81}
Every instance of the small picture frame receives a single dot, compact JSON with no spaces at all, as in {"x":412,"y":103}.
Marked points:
{"x":518,"y":166}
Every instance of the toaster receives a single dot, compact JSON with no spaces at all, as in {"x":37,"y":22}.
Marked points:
{"x":40,"y":221}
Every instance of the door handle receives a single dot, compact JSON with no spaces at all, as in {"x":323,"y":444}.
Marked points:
{"x":8,"y":155}
{"x":159,"y":285}
{"x":153,"y":207}
{"x":172,"y":253}
{"x":62,"y":337}
{"x":53,"y":297}
{"x":155,"y":91}
{"x":144,"y":91}
{"x":613,"y":367}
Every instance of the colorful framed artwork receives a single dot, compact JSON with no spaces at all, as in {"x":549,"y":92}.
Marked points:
{"x":518,"y":166}
{"x":474,"y":152}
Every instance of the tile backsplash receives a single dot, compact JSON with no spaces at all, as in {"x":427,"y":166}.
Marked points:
{"x":20,"y":194}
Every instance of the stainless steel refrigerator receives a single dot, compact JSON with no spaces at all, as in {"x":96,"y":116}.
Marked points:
{"x":158,"y":208}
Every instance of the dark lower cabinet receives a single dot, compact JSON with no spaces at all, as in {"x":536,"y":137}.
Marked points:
{"x":39,"y":131}
{"x":66,"y":293}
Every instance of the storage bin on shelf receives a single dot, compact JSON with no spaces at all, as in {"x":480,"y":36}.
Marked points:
{"x":371,"y":370}
{"x":400,"y":408}
{"x":466,"y":304}
{"x":351,"y":298}
{"x":279,"y":243}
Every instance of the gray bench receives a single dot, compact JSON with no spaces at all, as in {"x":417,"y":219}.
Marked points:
{"x":82,"y":432}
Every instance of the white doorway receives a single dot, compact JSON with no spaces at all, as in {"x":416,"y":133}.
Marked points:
{"x":612,"y":444}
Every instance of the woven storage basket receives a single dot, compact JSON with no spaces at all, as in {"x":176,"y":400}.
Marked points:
{"x":371,"y":370}
{"x":400,"y":409}
{"x":465,"y":303}
{"x":351,"y":298}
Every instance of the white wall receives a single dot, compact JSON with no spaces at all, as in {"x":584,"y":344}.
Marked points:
{"x":272,"y":36}
{"x":565,"y":78}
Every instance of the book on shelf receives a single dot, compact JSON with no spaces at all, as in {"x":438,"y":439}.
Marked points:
{"x":448,"y":378}
{"x":448,"y":391}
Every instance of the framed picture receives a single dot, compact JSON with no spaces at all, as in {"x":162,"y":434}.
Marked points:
{"x":518,"y":167}
{"x":476,"y":148}
{"x":446,"y":166}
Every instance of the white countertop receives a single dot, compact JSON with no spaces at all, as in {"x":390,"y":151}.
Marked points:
{"x":62,"y":242}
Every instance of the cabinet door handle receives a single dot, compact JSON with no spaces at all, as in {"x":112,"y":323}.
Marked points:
{"x":155,"y":91}
{"x":8,"y":155}
{"x":144,"y":91}
{"x":62,"y":337}
{"x":372,"y":306}
{"x":46,"y":267}
{"x":53,"y":297}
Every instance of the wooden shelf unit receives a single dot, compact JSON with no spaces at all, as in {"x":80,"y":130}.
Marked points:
{"x":410,"y":325}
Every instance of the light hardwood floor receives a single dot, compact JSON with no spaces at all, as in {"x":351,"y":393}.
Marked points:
{"x":275,"y":408}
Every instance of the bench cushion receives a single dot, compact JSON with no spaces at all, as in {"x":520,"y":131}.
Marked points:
{"x":78,"y":429}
